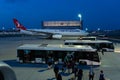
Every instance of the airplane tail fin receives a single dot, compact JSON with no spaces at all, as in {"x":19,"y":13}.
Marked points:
{"x":18,"y":25}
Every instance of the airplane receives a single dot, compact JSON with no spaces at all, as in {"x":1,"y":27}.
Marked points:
{"x":6,"y":72}
{"x":50,"y":33}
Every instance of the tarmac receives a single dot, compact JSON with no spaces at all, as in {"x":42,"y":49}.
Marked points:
{"x":110,"y":61}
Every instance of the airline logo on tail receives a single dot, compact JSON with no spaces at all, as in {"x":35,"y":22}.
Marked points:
{"x":18,"y":25}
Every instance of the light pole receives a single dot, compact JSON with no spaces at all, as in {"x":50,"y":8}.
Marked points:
{"x":13,"y":29}
{"x":86,"y":29}
{"x":80,"y":16}
{"x":98,"y":29}
{"x":3,"y":28}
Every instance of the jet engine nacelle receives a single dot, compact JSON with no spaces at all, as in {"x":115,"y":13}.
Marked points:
{"x":57,"y":36}
{"x":6,"y":72}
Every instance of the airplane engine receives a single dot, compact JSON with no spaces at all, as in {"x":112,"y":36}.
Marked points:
{"x":6,"y":72}
{"x":57,"y":36}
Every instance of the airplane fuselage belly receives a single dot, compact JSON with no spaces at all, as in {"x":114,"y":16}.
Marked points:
{"x":61,"y":32}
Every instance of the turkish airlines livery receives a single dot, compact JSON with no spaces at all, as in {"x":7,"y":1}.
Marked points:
{"x":50,"y":33}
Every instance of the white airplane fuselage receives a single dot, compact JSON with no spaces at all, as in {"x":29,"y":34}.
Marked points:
{"x":63,"y":32}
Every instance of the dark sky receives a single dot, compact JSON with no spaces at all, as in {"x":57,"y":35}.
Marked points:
{"x":103,"y":14}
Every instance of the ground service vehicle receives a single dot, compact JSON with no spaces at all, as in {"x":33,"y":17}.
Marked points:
{"x":38,"y":53}
{"x":100,"y":45}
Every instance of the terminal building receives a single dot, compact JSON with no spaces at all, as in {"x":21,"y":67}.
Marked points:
{"x":63,"y":24}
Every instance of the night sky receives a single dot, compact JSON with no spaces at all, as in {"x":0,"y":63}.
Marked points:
{"x":103,"y":14}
